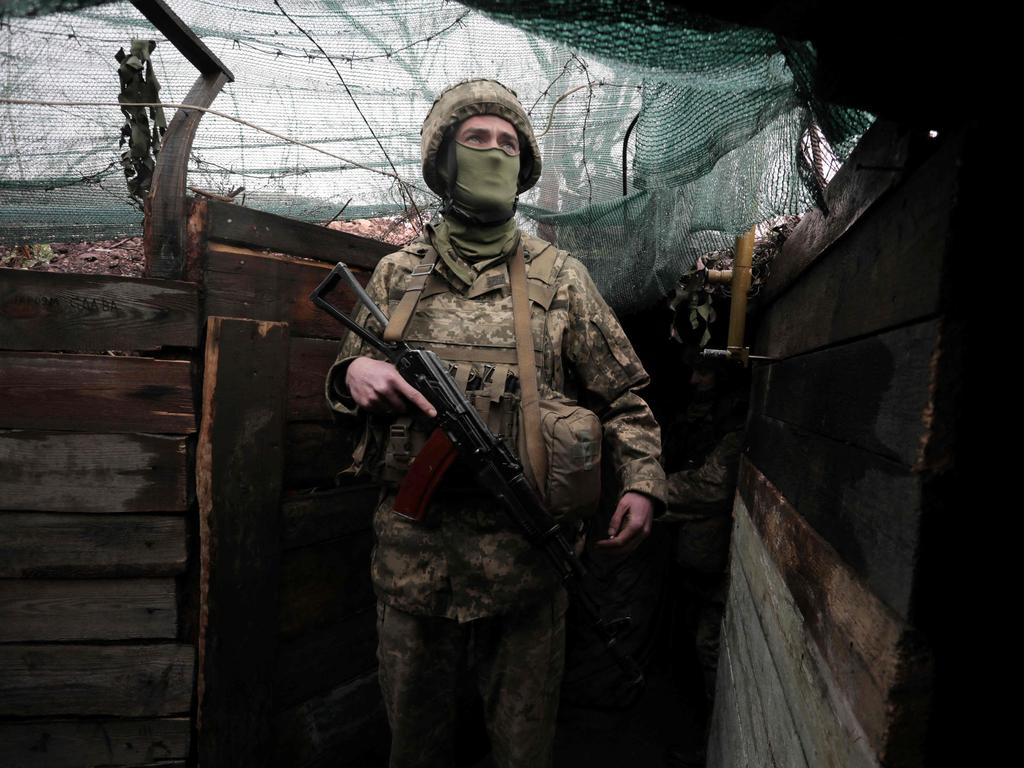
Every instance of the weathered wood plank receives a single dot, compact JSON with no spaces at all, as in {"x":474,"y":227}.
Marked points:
{"x":238,"y":472}
{"x":167,"y":205}
{"x":874,"y":393}
{"x":866,"y":507}
{"x":324,"y":582}
{"x":258,"y":229}
{"x":53,"y":311}
{"x":107,"y":609}
{"x":344,"y":727}
{"x":80,"y":472}
{"x":875,"y":166}
{"x":328,"y":515}
{"x":866,"y":653}
{"x":121,"y":680}
{"x":886,"y":271}
{"x":316,"y":452}
{"x":765,"y":716}
{"x":78,"y":546}
{"x":95,"y":393}
{"x":308,"y":364}
{"x":181,"y":36}
{"x":320,"y":660}
{"x":93,"y":744}
{"x":246,"y":283}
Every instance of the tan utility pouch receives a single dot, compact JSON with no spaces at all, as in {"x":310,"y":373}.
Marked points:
{"x":559,"y":441}
{"x":571,"y":439}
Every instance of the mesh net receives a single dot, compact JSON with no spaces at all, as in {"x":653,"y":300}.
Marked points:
{"x":727,"y":133}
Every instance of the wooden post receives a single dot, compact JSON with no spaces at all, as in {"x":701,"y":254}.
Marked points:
{"x":166,"y":205}
{"x":239,"y":467}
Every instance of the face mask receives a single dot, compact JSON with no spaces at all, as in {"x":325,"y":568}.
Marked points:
{"x":486,"y":182}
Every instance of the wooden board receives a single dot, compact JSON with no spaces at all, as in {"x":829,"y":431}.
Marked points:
{"x":791,"y":710}
{"x":316,"y":452}
{"x":874,"y":393}
{"x":107,"y":609}
{"x":81,"y":472}
{"x":309,"y":519}
{"x":886,"y":271}
{"x":258,"y":229}
{"x":346,"y":726}
{"x":866,"y":507}
{"x":867,"y":654}
{"x":319,"y":661}
{"x":95,"y":393}
{"x":324,"y":582}
{"x":88,"y":743}
{"x":308,"y":363}
{"x":53,"y":311}
{"x":876,"y":165}
{"x":238,"y":471}
{"x":77,"y":546}
{"x":246,"y":283}
{"x":113,"y":680}
{"x":167,"y":206}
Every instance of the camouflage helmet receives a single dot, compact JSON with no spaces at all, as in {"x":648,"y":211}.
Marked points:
{"x":464,"y":100}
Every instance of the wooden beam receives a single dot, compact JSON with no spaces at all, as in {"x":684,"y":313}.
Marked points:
{"x":324,"y":582}
{"x":52,"y":311}
{"x":874,"y":393}
{"x":887,"y":270}
{"x":241,"y":282}
{"x":876,"y":165}
{"x":82,"y":472}
{"x":112,"y":680}
{"x":102,"y":609}
{"x":313,"y":518}
{"x":870,"y":655}
{"x":238,"y":469}
{"x":167,"y":206}
{"x":77,"y":546}
{"x":260,"y":230}
{"x":182,"y":37}
{"x":307,"y":370}
{"x":94,"y":393}
{"x":77,"y":743}
{"x":866,"y":507}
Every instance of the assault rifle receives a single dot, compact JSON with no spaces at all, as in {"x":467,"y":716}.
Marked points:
{"x":460,"y":431}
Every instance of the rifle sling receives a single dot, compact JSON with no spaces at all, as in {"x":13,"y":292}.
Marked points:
{"x":530,"y":404}
{"x":413,"y":290}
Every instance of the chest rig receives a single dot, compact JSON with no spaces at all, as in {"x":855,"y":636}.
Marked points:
{"x":473,"y":331}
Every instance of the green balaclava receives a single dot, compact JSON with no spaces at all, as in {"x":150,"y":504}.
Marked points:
{"x":479,"y":223}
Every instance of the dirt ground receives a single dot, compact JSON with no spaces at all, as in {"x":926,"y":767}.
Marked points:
{"x":125,"y":257}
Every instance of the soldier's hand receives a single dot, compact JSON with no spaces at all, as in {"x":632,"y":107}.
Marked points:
{"x":630,"y":524}
{"x":377,"y":386}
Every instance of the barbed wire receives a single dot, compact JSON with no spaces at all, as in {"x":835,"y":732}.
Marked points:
{"x":406,"y":196}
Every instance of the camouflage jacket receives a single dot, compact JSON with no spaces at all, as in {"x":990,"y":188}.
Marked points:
{"x":471,"y":562}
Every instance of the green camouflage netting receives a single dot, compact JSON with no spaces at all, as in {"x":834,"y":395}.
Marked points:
{"x":728,"y":131}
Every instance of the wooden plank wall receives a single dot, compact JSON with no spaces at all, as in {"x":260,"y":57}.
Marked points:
{"x":96,"y":667}
{"x":325,"y":704}
{"x":823,"y":662}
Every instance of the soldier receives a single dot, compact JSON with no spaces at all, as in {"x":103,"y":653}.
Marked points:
{"x":707,"y":444}
{"x":467,"y":594}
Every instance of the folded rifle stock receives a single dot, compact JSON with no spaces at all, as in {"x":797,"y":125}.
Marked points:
{"x":459,"y":431}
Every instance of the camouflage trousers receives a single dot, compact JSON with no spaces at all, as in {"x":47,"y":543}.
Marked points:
{"x":516,"y":661}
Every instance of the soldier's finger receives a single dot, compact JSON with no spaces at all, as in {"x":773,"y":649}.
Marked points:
{"x":616,"y":522}
{"x":393,"y":400}
{"x":417,"y":399}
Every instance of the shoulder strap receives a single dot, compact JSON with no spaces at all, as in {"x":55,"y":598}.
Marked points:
{"x":413,"y":290}
{"x":527,"y":368}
